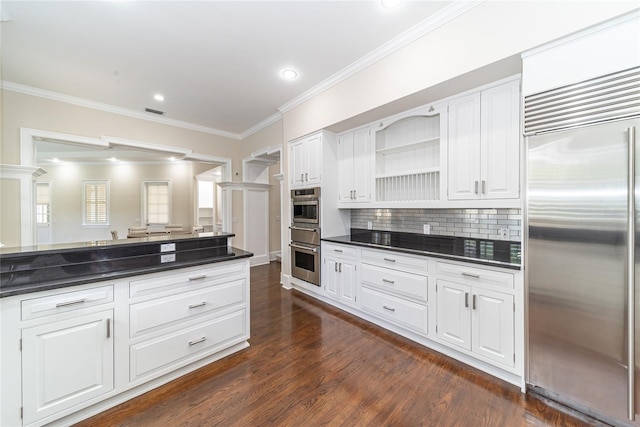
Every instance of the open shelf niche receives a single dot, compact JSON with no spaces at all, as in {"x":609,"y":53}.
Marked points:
{"x":408,"y":159}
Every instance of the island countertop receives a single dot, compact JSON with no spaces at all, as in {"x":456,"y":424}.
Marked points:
{"x":44,"y":267}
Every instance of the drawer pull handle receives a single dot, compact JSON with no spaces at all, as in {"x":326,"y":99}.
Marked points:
{"x":108,"y":328}
{"x":201,"y":276}
{"x":466,"y":300}
{"x":64,"y":304}
{"x":203,"y":339}
{"x":386,"y":307}
{"x":388,"y":281}
{"x":202,"y":304}
{"x":476,"y":276}
{"x":474,"y":302}
{"x":338,"y":250}
{"x":390,"y":259}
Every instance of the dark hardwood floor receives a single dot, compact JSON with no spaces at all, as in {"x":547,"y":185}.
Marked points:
{"x":310,"y":364}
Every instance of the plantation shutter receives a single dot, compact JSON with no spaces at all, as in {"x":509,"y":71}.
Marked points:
{"x":157,"y":202}
{"x":95,"y":202}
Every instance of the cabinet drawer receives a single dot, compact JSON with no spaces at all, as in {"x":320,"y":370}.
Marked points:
{"x":338,"y":250}
{"x":397,"y":310}
{"x":475,"y":276}
{"x":395,"y":260}
{"x":171,"y":283}
{"x":156,"y":313}
{"x":169,"y":352}
{"x":395,"y":281}
{"x":65,"y":302}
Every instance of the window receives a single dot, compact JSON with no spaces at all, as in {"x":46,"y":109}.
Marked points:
{"x":156,"y":202}
{"x":43,"y":203}
{"x":96,"y":203}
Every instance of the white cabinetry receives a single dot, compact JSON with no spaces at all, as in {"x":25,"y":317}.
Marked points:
{"x":306,"y":161}
{"x":73,"y":352}
{"x":339,"y":272}
{"x":67,"y":357}
{"x":395,"y":288}
{"x":355,"y":161}
{"x":474,"y":317}
{"x":409,"y":156}
{"x":484,"y":144}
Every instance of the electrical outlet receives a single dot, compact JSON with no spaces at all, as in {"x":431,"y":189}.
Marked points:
{"x":503,"y":233}
{"x":369,"y":225}
{"x":426,"y":229}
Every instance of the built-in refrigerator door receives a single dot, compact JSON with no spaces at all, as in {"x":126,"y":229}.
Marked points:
{"x":577,"y":266}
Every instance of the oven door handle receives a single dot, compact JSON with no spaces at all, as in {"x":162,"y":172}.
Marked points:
{"x":303,"y":247}
{"x":293,"y":227}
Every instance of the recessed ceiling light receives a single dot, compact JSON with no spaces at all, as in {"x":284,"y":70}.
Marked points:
{"x":55,"y":160}
{"x":173,"y":159}
{"x":158,"y":97}
{"x":113,"y":159}
{"x":390,"y":3}
{"x":289,"y":74}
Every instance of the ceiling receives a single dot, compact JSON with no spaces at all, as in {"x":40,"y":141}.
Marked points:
{"x":217,"y":63}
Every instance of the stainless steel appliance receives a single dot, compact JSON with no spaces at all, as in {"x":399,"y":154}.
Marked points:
{"x":305,"y":206}
{"x":582,"y":235}
{"x":305,"y":234}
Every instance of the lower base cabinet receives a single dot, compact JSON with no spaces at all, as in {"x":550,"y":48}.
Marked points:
{"x":72,"y":352}
{"x":66,"y":363}
{"x":464,"y":307}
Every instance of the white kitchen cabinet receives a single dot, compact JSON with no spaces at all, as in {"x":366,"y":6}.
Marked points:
{"x":484,"y":144}
{"x":67,"y":357}
{"x":306,"y":161}
{"x":355,"y":151}
{"x":409,"y":158}
{"x":475,"y":318}
{"x":339,"y":273}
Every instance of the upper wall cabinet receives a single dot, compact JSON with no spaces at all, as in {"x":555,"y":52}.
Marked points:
{"x":410,"y":156}
{"x":306,"y":161}
{"x":355,"y":163}
{"x":484,"y":142}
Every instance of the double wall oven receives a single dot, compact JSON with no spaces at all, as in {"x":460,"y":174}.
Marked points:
{"x":305,"y":234}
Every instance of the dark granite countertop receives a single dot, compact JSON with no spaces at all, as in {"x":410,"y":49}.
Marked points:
{"x":499,"y":253}
{"x":33,"y":269}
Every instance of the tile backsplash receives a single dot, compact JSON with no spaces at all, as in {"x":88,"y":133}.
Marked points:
{"x":475,"y":223}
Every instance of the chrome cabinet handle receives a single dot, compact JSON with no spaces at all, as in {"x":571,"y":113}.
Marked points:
{"x":64,"y":304}
{"x":201,"y":276}
{"x":303,"y":247}
{"x":293,"y":227}
{"x":476,"y":187}
{"x":203,"y":339}
{"x":386,"y":307}
{"x":202,"y":304}
{"x":338,"y":250}
{"x":474,"y":302}
{"x":484,"y":186}
{"x":108,"y":328}
{"x":466,"y":300}
{"x":390,"y":259}
{"x":306,"y":176}
{"x":475,"y":276}
{"x":335,"y":267}
{"x":301,"y":177}
{"x":339,"y":267}
{"x":388,"y":281}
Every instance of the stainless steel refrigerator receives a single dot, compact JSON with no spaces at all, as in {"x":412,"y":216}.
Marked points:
{"x":582,"y":258}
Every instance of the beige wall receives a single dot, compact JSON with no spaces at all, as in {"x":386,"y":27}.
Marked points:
{"x":125,"y":189}
{"x":488,"y":33}
{"x":10,"y":217}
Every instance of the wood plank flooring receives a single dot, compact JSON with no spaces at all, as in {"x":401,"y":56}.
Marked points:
{"x":310,"y":364}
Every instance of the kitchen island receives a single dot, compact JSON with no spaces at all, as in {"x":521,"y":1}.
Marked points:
{"x":86,"y":326}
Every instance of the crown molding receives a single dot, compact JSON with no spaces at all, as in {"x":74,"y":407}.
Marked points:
{"x":430,"y":24}
{"x":82,"y":102}
{"x":263,"y":124}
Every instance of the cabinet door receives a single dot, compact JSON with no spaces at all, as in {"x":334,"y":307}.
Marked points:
{"x":313,"y":172}
{"x":454,"y":314}
{"x":362,"y":159}
{"x":331,"y":277}
{"x":66,"y":363}
{"x":297,"y":164}
{"x":347,"y":271}
{"x":493,"y":326}
{"x":500,"y":141}
{"x":345,"y":167}
{"x":464,"y":148}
